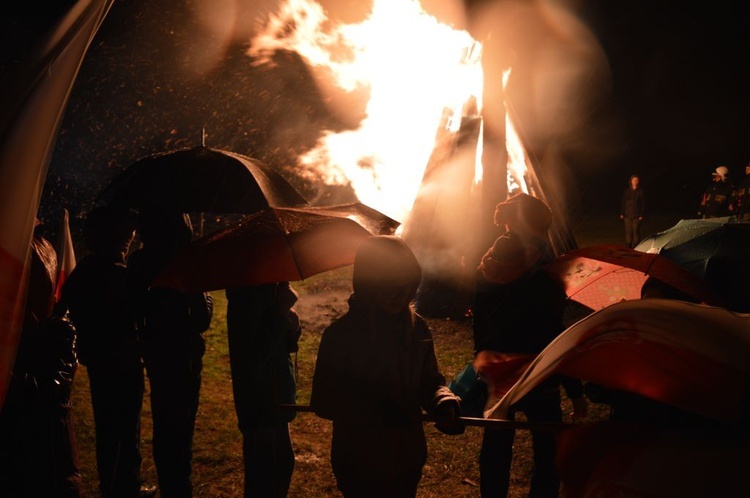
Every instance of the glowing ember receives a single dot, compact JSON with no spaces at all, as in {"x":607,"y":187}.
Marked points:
{"x":415,"y":69}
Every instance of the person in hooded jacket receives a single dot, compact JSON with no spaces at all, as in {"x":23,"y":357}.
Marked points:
{"x":170,"y":328}
{"x":518,"y":310}
{"x":96,"y":295}
{"x":375,"y":373}
{"x":38,"y":448}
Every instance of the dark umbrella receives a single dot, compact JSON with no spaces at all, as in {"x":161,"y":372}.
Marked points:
{"x":275,"y":245}
{"x":598,"y":276}
{"x":714,"y":249}
{"x":200,"y":179}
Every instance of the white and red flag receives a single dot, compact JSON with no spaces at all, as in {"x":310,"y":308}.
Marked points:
{"x":66,"y":255}
{"x":32,"y":109}
{"x":692,"y":357}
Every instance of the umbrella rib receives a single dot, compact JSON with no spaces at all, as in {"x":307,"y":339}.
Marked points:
{"x":647,"y":271}
{"x":287,"y":238}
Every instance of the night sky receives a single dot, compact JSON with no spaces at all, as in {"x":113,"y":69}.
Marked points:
{"x":675,"y":108}
{"x":680,"y":90}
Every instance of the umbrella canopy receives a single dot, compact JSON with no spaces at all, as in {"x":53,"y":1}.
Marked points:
{"x":200,"y":180}
{"x":715,"y":249}
{"x":275,"y":245}
{"x":598,"y":276}
{"x":689,"y":356}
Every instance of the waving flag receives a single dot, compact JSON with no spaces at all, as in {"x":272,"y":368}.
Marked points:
{"x":693,"y":357}
{"x":31,"y":114}
{"x":66,"y":256}
{"x":635,"y":460}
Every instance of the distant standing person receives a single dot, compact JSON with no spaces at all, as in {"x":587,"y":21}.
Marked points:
{"x":717,"y":199}
{"x":96,"y":295}
{"x":263,"y":330}
{"x":632,"y":210}
{"x":375,"y":373}
{"x":742,"y":196}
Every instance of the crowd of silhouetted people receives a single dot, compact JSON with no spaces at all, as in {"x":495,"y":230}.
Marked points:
{"x":376,"y":372}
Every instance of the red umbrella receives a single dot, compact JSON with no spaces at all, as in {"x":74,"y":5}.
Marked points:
{"x":599,"y":276}
{"x":275,"y":245}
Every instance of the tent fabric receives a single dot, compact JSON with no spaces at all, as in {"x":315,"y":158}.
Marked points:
{"x":714,"y":249}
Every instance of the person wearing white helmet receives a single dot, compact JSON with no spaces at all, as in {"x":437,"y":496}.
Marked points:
{"x":718,"y":199}
{"x":742,"y":196}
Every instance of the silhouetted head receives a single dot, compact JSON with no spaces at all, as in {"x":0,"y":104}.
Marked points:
{"x":110,"y":230}
{"x":525,"y":215}
{"x":165,"y":230}
{"x":386,"y":272}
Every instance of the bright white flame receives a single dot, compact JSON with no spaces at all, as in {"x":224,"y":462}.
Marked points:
{"x":414,"y":68}
{"x":517,"y":157}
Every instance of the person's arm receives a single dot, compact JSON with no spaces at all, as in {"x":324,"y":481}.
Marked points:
{"x":323,"y":395}
{"x":702,"y":205}
{"x":435,"y":397}
{"x":201,"y":309}
{"x":641,"y":205}
{"x":484,"y":311}
{"x":574,"y":390}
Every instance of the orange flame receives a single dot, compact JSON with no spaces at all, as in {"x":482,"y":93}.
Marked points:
{"x":415,"y":69}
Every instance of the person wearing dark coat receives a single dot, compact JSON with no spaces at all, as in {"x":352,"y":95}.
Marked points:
{"x":718,"y":199}
{"x":742,"y":196}
{"x":632,"y":210}
{"x":96,"y":295}
{"x":170,"y":328}
{"x":38,"y":448}
{"x":375,"y":373}
{"x":518,"y":310}
{"x":263,"y":331}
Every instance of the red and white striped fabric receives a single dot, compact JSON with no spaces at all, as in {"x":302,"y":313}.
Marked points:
{"x":32,"y":112}
{"x":632,"y":460}
{"x":693,"y":357}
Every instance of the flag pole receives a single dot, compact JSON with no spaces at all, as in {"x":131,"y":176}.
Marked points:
{"x":487,"y":423}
